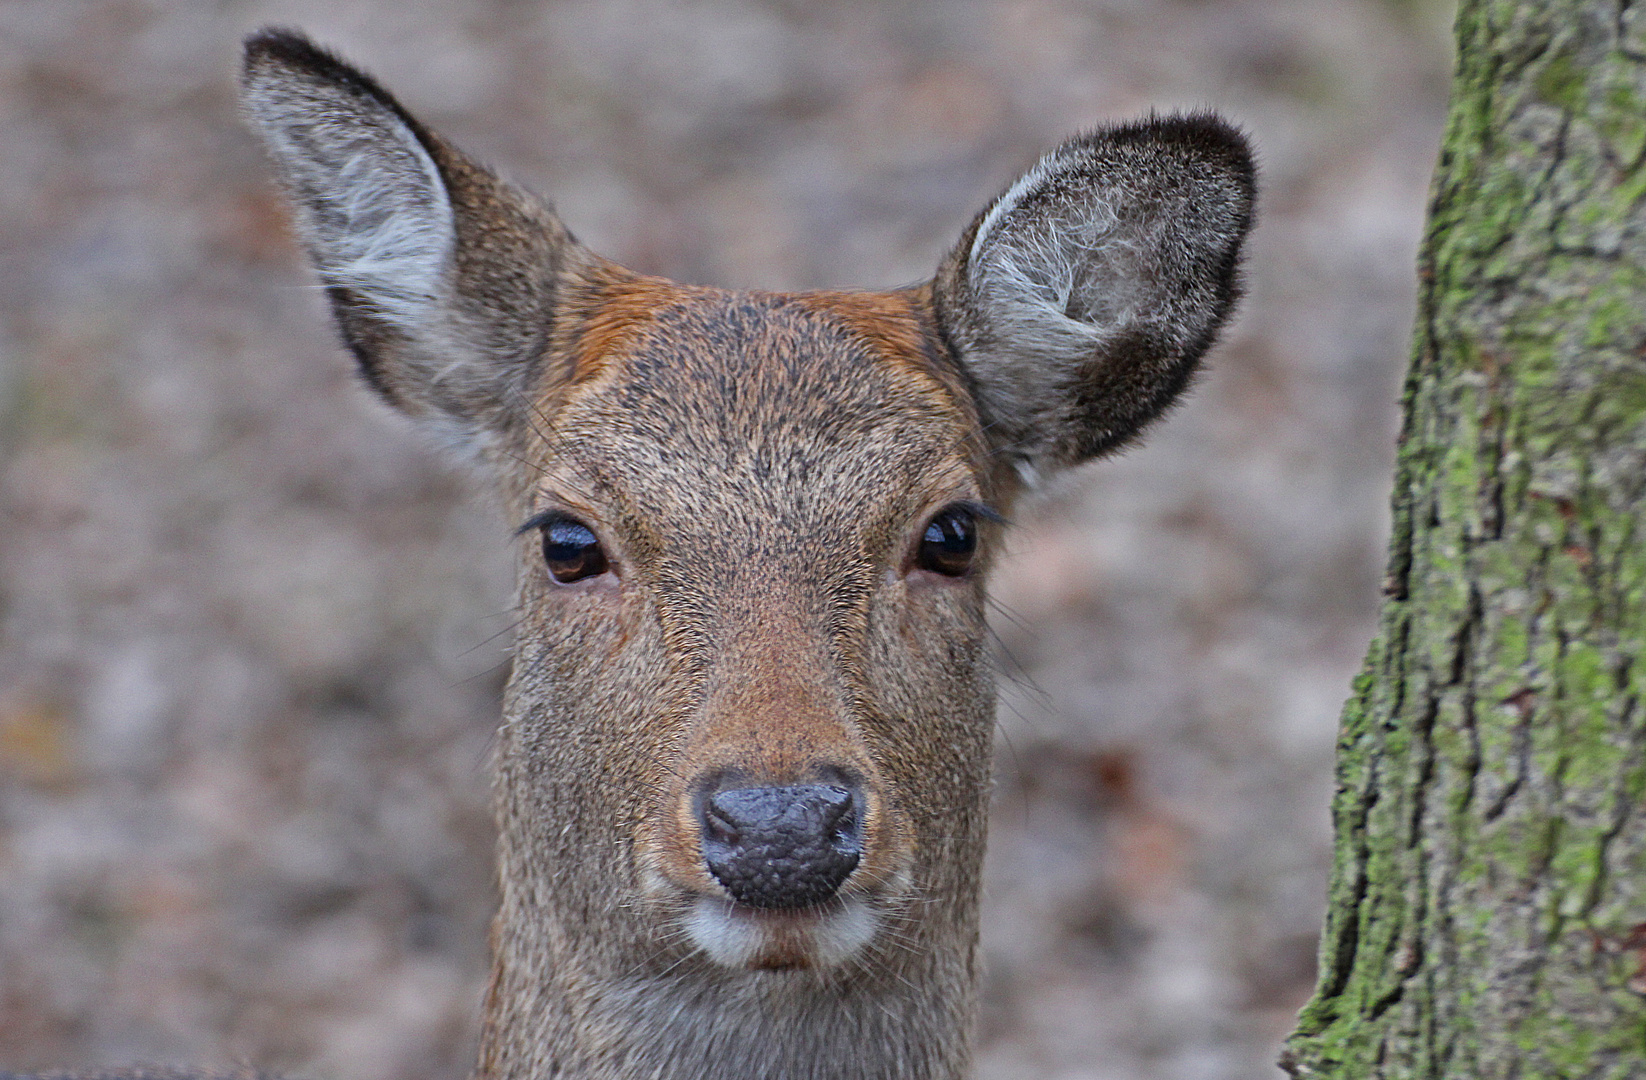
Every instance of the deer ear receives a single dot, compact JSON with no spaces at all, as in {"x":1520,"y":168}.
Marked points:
{"x":441,"y":276}
{"x":1081,"y":299}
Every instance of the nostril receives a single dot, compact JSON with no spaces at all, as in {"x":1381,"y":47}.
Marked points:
{"x":718,"y":827}
{"x":839,"y":816}
{"x":844,"y":829}
{"x":782,"y":847}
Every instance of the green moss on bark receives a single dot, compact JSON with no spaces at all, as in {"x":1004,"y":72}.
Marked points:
{"x":1492,"y":764}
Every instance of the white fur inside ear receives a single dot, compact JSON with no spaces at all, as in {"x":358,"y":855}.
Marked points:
{"x":375,"y":210}
{"x":397,"y":237}
{"x":1058,"y":278}
{"x":1026,"y":183}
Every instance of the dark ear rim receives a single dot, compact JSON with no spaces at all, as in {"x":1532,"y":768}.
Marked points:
{"x":1203,"y":130}
{"x":1223,"y":143}
{"x":291,"y":48}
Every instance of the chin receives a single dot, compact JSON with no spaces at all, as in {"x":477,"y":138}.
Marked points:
{"x":754,"y":939}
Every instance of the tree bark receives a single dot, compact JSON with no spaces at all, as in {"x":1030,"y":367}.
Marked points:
{"x":1488,"y":903}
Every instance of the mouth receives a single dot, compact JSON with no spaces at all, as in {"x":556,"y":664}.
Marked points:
{"x":754,"y":939}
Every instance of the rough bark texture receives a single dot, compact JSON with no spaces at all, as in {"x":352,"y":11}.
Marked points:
{"x":1488,"y":904}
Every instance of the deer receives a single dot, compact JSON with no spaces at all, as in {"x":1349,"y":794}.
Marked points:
{"x":743,"y":769}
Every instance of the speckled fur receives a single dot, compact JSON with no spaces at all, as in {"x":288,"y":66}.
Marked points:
{"x":759,"y":469}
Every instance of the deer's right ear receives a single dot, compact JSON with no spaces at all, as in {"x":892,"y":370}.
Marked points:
{"x":1080,"y":300}
{"x":441,"y":276}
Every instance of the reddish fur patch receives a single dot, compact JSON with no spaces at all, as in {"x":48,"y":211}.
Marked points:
{"x":611,"y":310}
{"x":613,"y":307}
{"x":892,"y":322}
{"x":902,"y":328}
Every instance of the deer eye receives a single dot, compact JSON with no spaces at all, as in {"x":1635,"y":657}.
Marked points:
{"x":949,"y":543}
{"x":571,"y":550}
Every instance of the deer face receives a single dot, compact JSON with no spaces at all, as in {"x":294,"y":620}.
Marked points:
{"x":779,"y":510}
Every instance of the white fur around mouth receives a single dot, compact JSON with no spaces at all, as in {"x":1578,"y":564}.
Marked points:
{"x":740,"y":937}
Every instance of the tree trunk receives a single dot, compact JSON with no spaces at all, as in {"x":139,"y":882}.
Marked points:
{"x":1488,"y":903}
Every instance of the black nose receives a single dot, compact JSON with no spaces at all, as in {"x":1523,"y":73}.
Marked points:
{"x":782,"y":847}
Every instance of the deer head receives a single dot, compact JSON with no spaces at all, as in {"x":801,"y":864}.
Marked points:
{"x":743,"y":770}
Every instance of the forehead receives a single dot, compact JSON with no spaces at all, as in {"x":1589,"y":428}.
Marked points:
{"x":772,"y":402}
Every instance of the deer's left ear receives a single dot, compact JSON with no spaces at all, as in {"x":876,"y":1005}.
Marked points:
{"x":1082,"y":298}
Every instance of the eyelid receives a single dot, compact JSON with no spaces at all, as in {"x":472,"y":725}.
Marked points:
{"x":537,"y":521}
{"x":978,"y":509}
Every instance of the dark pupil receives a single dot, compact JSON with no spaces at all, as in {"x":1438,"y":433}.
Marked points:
{"x":949,"y":543}
{"x":571,"y":551}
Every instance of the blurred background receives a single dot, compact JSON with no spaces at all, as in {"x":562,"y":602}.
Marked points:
{"x":253,"y":632}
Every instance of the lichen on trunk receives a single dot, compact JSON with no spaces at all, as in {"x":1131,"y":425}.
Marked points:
{"x":1488,"y":902}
